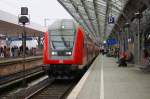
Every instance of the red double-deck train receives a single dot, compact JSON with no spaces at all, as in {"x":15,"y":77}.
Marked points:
{"x":68,"y":50}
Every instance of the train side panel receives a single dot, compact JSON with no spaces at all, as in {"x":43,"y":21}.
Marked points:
{"x":45,"y":50}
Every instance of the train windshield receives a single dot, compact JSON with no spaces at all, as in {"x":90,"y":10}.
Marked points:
{"x":62,"y":39}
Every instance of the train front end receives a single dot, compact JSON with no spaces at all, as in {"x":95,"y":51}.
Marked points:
{"x":61,"y":50}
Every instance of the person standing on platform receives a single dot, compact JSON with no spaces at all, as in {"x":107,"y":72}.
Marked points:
{"x":13,"y":51}
{"x":1,"y":51}
{"x":5,"y":51}
{"x":20,"y":50}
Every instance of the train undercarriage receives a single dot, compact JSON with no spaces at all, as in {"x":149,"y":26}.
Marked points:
{"x":64,"y":71}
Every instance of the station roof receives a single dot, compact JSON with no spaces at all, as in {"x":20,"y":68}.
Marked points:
{"x":93,"y":14}
{"x":9,"y":26}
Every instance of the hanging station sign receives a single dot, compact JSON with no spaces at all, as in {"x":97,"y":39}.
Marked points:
{"x":111,"y":41}
{"x":111,"y":20}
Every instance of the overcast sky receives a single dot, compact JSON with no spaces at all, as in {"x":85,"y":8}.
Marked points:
{"x":38,"y":9}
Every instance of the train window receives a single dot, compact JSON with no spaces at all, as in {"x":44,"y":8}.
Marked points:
{"x":68,"y":38}
{"x":58,"y":45}
{"x":62,"y":37}
{"x":62,"y":32}
{"x":62,"y":45}
{"x":54,"y":32}
{"x":67,"y":32}
{"x":55,"y":38}
{"x":67,"y":24}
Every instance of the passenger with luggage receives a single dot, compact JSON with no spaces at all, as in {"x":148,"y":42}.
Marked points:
{"x":122,"y":60}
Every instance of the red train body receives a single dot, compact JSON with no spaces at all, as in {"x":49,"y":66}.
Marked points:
{"x":67,"y":49}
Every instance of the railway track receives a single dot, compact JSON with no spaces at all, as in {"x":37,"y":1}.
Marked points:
{"x":58,"y":89}
{"x":21,"y":93}
{"x":43,"y":88}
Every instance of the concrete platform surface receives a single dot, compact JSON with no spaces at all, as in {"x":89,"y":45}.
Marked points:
{"x":105,"y":80}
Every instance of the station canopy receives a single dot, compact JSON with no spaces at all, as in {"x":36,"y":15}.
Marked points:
{"x":97,"y":17}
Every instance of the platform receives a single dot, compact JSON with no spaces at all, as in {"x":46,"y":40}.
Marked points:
{"x":105,"y":80}
{"x":9,"y":66}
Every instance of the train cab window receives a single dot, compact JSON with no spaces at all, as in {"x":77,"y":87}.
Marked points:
{"x":62,"y":41}
{"x":62,"y":37}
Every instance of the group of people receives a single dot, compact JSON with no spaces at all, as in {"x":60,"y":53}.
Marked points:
{"x":123,"y":57}
{"x":4,"y":51}
{"x":15,"y":51}
{"x":114,"y":52}
{"x":110,"y":52}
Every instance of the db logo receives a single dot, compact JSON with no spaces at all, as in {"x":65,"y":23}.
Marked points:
{"x":60,"y":61}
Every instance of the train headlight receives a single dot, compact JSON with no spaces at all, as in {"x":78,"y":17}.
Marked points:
{"x":68,"y":53}
{"x":54,"y":53}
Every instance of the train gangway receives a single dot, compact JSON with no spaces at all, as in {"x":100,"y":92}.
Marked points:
{"x":105,"y":80}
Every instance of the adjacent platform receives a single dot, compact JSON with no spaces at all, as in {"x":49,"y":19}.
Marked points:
{"x":105,"y":80}
{"x":9,"y":66}
{"x":11,"y":60}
